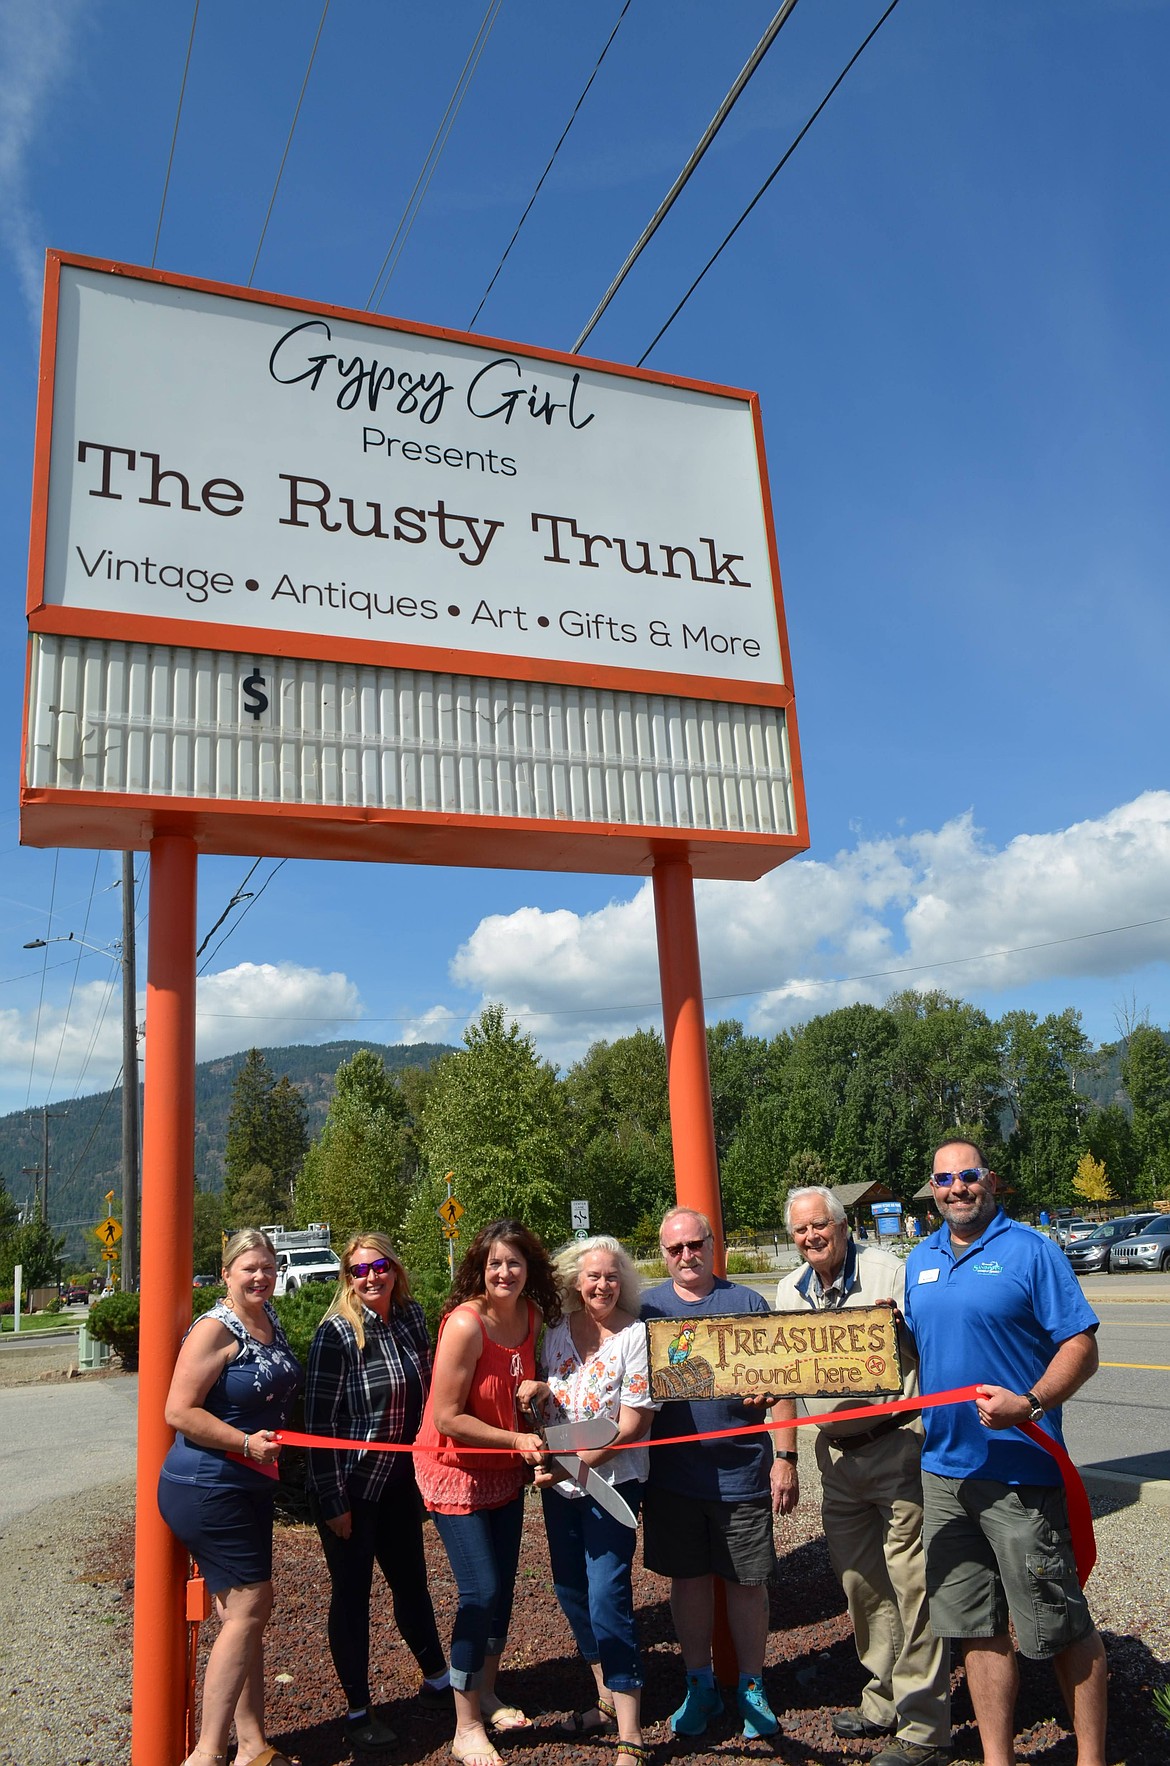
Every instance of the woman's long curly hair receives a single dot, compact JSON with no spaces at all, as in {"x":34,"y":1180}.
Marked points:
{"x":540,"y":1284}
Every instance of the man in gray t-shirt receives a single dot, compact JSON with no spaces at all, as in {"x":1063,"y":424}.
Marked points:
{"x":708,"y":1505}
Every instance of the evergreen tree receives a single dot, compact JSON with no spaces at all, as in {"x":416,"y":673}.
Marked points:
{"x":1145,"y":1074}
{"x":355,"y":1175}
{"x":266,"y":1127}
{"x":617,"y":1124}
{"x":494,"y":1116}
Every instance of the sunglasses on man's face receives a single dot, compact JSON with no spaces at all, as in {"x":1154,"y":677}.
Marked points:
{"x":973,"y":1174}
{"x":691,"y":1245}
{"x":359,"y":1271}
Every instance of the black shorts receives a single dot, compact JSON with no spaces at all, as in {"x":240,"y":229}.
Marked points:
{"x":685,"y":1536}
{"x":228,"y":1531}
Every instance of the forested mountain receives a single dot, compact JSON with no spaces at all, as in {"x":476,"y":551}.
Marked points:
{"x":85,"y":1134}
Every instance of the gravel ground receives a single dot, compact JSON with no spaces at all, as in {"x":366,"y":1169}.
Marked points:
{"x":65,"y":1638}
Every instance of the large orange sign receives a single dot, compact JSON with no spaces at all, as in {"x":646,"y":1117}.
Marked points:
{"x":304,"y":580}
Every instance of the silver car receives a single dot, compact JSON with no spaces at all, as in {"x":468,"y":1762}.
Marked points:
{"x":1091,"y":1256}
{"x":1149,"y":1248}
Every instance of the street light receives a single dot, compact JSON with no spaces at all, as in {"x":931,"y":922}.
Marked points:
{"x":123,"y":954}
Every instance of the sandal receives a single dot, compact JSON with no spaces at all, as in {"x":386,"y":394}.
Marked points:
{"x":579,"y":1726}
{"x":505,"y":1718}
{"x":635,"y":1750}
{"x":270,"y":1757}
{"x":476,"y":1756}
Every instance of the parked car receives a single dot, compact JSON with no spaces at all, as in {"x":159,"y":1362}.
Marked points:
{"x":1149,"y":1248}
{"x":1091,"y":1256}
{"x":74,"y":1296}
{"x":205,"y":1281}
{"x":1071,"y":1226}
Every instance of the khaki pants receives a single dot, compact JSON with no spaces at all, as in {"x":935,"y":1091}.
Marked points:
{"x":872,"y":1512}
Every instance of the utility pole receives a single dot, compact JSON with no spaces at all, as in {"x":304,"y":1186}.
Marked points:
{"x":41,"y":1171}
{"x":129,"y":1081}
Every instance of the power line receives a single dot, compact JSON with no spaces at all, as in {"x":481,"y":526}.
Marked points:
{"x":854,"y":58}
{"x":251,"y":904}
{"x":288,"y":144}
{"x":548,"y":168}
{"x":434,"y":154}
{"x":713,"y":127}
{"x":236,"y":899}
{"x":743,"y":994}
{"x":174,"y":134}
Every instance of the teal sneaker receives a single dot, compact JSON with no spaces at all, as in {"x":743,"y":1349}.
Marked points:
{"x":703,"y":1701}
{"x":758,"y":1715}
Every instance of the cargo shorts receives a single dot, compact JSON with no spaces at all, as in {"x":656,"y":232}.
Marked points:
{"x":997,"y":1550}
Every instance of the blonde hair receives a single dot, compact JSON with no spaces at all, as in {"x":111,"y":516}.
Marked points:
{"x":249,"y":1238}
{"x":345,"y":1303}
{"x":567,"y":1267}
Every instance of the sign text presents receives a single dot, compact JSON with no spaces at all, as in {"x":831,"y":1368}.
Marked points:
{"x":802,"y":1354}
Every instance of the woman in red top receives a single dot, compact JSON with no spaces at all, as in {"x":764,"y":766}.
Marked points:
{"x":485,"y":1364}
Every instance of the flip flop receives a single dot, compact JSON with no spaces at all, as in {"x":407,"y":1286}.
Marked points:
{"x":476,"y":1757}
{"x":505,"y":1718}
{"x":270,"y":1757}
{"x":578,"y":1725}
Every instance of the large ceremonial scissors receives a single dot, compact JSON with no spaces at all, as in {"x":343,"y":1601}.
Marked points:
{"x":565,"y":1441}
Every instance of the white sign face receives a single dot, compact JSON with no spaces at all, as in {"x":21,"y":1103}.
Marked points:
{"x":307,"y":479}
{"x":579,"y":1215}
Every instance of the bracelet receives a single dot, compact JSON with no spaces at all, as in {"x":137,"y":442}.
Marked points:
{"x":786,"y":1453}
{"x":247,"y":1438}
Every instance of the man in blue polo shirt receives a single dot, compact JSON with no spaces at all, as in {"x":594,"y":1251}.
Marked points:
{"x":993,"y":1304}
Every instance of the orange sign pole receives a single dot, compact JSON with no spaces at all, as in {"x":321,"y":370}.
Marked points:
{"x":692,"y":1127}
{"x":168,"y":1198}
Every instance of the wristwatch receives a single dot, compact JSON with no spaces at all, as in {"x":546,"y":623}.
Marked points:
{"x":1036,"y":1409}
{"x":786,"y":1453}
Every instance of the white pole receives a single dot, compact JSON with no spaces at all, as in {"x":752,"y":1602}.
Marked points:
{"x":17,"y":1283}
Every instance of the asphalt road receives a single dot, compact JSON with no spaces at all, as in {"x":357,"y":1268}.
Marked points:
{"x":64,"y":1438}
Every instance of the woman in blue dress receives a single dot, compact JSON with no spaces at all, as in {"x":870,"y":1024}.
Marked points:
{"x":232,"y":1389}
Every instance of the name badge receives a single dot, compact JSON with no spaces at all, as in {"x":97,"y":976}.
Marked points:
{"x":927,"y":1275}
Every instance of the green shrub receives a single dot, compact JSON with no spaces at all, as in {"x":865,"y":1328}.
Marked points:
{"x":115,"y":1321}
{"x":430,"y":1287}
{"x":54,"y":1304}
{"x":747,"y":1263}
{"x":203,"y":1299}
{"x":301,"y":1313}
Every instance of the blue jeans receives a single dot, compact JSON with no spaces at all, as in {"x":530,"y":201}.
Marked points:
{"x":484,"y":1549}
{"x":591,"y":1554}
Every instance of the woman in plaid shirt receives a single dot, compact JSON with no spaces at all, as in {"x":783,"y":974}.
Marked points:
{"x":369,"y":1372}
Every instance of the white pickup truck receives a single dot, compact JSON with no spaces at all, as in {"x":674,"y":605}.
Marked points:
{"x":303,"y":1254}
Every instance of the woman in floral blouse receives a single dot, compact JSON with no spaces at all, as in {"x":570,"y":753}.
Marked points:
{"x":594,"y":1360}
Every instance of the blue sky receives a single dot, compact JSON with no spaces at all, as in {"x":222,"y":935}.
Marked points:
{"x":952,"y":304}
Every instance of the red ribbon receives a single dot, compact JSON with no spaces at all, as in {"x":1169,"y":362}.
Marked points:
{"x":1080,"y":1515}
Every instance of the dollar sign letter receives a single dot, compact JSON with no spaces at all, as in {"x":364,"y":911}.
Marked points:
{"x":254,"y":700}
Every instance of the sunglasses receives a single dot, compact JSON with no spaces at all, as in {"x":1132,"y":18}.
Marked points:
{"x":973,"y":1174}
{"x":684,"y":1245}
{"x":379,"y":1266}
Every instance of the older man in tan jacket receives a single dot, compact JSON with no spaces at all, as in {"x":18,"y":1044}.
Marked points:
{"x":871,"y":1502}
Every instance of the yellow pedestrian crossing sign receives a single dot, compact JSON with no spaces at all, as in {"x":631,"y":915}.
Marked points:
{"x":110,"y":1231}
{"x":451,"y":1212}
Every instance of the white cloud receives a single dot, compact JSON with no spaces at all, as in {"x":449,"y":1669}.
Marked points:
{"x":816,"y":934}
{"x":78,"y":1045}
{"x":437,"y":1024}
{"x":36,"y":48}
{"x":259,"y":1005}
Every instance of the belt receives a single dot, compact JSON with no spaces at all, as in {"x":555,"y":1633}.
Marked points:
{"x":849,"y":1443}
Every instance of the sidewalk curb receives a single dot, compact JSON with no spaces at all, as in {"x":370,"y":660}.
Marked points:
{"x":1126,"y":1485}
